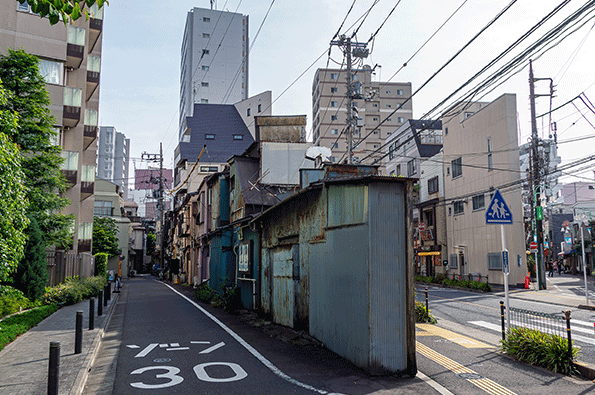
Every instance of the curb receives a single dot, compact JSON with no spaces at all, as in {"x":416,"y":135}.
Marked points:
{"x":585,"y":369}
{"x":83,"y":374}
{"x":586,"y":307}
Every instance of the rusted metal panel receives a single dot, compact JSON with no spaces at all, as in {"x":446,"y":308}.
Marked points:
{"x":283,"y":298}
{"x":265,"y":280}
{"x":347,"y":205}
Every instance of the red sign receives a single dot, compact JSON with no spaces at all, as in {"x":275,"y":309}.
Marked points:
{"x":565,"y":224}
{"x":533,"y":246}
{"x":421,"y":226}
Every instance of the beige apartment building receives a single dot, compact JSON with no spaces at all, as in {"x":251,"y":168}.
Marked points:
{"x":481,"y":155}
{"x":378,"y":101}
{"x":70,"y":62}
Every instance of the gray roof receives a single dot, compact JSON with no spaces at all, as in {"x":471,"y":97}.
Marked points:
{"x":417,"y":126}
{"x":223,"y":123}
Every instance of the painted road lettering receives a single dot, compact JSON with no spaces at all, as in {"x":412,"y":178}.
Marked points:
{"x":172,"y":375}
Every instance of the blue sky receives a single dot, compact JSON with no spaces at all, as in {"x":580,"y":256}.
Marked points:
{"x":142,"y":39}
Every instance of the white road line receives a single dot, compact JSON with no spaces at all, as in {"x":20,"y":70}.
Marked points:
{"x":498,"y":328}
{"x":132,"y":346}
{"x":177,"y":349}
{"x":199,"y":342}
{"x":213,"y":348}
{"x":434,"y":384}
{"x":147,"y":350}
{"x":250,"y":349}
{"x":164,"y":345}
{"x":174,"y":345}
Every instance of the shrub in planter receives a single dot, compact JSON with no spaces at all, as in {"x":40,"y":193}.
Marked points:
{"x":12,"y":300}
{"x":541,"y":349}
{"x":423,"y":315}
{"x":73,"y":290}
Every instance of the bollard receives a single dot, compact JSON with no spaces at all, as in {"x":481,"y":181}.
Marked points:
{"x":109,"y":291}
{"x":78,"y":333}
{"x":427,"y":309}
{"x":91,"y":314}
{"x":100,"y":304}
{"x":567,"y":314}
{"x":502,"y":318}
{"x":54,"y":368}
{"x":105,"y":295}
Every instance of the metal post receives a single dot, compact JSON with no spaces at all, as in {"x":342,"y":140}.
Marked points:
{"x":506,"y":271}
{"x":54,"y":368}
{"x":584,"y":262}
{"x":91,"y":314}
{"x":427,"y":309}
{"x":100,"y":304}
{"x":105,"y":295}
{"x":78,"y":333}
{"x":502,"y":319}
{"x":567,"y":314}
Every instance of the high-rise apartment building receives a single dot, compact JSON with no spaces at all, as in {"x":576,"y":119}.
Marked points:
{"x":378,"y":102}
{"x":113,"y":157}
{"x":214,"y":66}
{"x":70,"y":58}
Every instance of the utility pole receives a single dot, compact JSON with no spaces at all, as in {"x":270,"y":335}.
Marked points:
{"x":357,"y":50}
{"x":160,"y":198}
{"x":536,"y":180}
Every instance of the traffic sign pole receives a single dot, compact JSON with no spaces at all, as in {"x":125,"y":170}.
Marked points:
{"x":505,"y":270}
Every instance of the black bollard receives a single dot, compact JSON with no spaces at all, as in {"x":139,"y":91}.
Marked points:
{"x":427,"y":309}
{"x":91,"y":314}
{"x":109,"y":291}
{"x":78,"y":333}
{"x":54,"y":368}
{"x":105,"y":296}
{"x":100,"y":304}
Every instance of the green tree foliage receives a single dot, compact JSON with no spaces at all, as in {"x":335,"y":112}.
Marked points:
{"x":151,"y":244}
{"x":13,"y":205}
{"x":31,"y":275}
{"x":69,"y":10}
{"x":105,"y":236}
{"x":28,"y":99}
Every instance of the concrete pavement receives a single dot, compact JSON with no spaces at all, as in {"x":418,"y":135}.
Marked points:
{"x":24,"y":362}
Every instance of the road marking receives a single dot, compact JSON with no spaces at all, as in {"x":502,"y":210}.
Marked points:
{"x":213,"y":348}
{"x":177,"y":349}
{"x":433,"y":384}
{"x":248,"y":347}
{"x":498,"y":328}
{"x":147,"y":350}
{"x":132,"y":346}
{"x":485,"y":384}
{"x":174,"y":345}
{"x":433,"y":330}
{"x":165,"y":345}
{"x":199,"y":342}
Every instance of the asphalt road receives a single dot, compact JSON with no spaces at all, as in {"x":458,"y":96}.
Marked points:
{"x":169,"y":346}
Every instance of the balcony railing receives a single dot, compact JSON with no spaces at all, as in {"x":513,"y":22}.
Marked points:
{"x":95,"y":28}
{"x":71,"y":176}
{"x":87,"y":189}
{"x":71,"y":116}
{"x":92,"y":82}
{"x":90,"y":135}
{"x":74,"y":55}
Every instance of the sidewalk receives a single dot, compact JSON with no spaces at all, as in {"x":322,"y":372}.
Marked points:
{"x":24,"y":362}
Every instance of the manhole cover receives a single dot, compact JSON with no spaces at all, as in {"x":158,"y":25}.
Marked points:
{"x":470,"y":376}
{"x":161,"y":360}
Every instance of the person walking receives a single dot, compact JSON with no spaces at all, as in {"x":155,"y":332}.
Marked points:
{"x":551,"y":270}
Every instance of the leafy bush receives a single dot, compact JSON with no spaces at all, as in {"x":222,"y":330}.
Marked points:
{"x":442,"y":279}
{"x":541,"y":349}
{"x":423,"y":315}
{"x":101,"y":263}
{"x":12,"y":300}
{"x":205,"y":293}
{"x":12,"y":327}
{"x":73,"y":290}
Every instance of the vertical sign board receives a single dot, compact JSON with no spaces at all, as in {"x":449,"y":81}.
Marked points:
{"x":244,"y":258}
{"x":498,"y":213}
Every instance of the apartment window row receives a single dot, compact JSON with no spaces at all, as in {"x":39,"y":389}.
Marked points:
{"x":433,"y":185}
{"x":411,"y":167}
{"x":211,"y":136}
{"x":208,"y":169}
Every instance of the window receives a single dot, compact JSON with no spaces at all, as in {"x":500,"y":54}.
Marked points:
{"x":433,"y":185}
{"x":355,"y":104}
{"x":457,"y":167}
{"x":398,"y":170}
{"x":388,"y":106}
{"x":72,"y":97}
{"x":400,"y":92}
{"x":334,"y":159}
{"x":94,"y":63}
{"x":334,"y":131}
{"x":411,"y":168}
{"x":87,"y":173}
{"x":204,"y":101}
{"x":103,"y":208}
{"x":206,"y":35}
{"x":459,"y":207}
{"x":388,"y":92}
{"x":23,"y":7}
{"x":248,"y":112}
{"x":374,"y":104}
{"x":205,"y":68}
{"x":206,"y":19}
{"x":354,"y":77}
{"x":376,"y":132}
{"x":468,"y":114}
{"x":490,"y":159}
{"x":375,"y":119}
{"x":334,"y":104}
{"x":430,"y":136}
{"x":76,"y":35}
{"x":445,"y":131}
{"x":238,"y":137}
{"x":53,"y":72}
{"x":205,"y":51}
{"x":209,"y":136}
{"x":85,"y":231}
{"x":494,"y":261}
{"x":71,"y":160}
{"x":90,"y":117}
{"x":479,"y":202}
{"x":388,"y":119}
{"x":260,"y":108}
{"x":453,"y":261}
{"x":334,"y":118}
{"x":334,"y":89}
{"x":334,"y":145}
{"x":208,"y":169}
{"x":334,"y":76}
{"x":204,"y":84}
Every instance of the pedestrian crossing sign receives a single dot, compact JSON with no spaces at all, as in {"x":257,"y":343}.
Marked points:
{"x":498,"y":211}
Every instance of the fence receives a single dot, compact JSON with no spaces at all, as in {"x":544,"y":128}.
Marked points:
{"x":62,"y":264}
{"x":553,"y":324}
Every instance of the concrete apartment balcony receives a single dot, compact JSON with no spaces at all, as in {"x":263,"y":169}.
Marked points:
{"x":95,"y":28}
{"x":89,"y":135}
{"x":84,"y":245}
{"x":71,"y":116}
{"x":74,"y":55}
{"x":87,"y":189}
{"x":71,"y":177}
{"x":92,"y":82}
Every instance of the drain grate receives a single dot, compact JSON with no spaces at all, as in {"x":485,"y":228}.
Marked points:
{"x":470,"y":376}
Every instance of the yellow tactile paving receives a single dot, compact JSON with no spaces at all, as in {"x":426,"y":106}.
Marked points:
{"x":485,"y":384}
{"x":433,"y":330}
